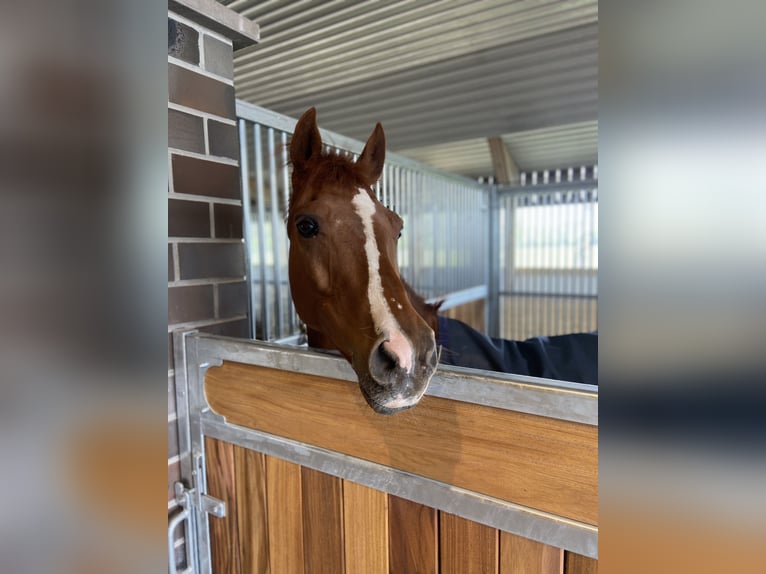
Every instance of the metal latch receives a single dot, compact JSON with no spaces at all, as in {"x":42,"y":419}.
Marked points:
{"x":188,"y":500}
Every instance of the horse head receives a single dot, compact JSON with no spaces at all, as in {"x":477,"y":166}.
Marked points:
{"x":344,"y":274}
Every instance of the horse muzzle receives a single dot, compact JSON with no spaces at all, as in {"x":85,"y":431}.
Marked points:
{"x":397,"y":376}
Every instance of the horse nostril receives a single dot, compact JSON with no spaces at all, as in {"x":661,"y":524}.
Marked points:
{"x":386,"y":355}
{"x":385,"y":364}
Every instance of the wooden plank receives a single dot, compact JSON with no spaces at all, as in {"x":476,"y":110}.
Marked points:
{"x":365,"y":518}
{"x":577,"y":564}
{"x":413,"y":537}
{"x":250,"y":467}
{"x":322,"y":522}
{"x":466,"y":546}
{"x":285,"y":517}
{"x":523,"y":556}
{"x":224,"y":532}
{"x":542,"y":463}
{"x":506,"y":170}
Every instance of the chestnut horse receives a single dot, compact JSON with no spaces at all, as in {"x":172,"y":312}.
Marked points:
{"x":344,"y":274}
{"x":346,"y":287}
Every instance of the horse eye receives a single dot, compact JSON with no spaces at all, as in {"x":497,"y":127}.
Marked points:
{"x":307,"y":227}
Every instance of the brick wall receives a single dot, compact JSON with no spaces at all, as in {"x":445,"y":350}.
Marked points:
{"x":206,"y":261}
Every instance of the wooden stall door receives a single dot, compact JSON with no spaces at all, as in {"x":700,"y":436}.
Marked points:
{"x":282,"y":518}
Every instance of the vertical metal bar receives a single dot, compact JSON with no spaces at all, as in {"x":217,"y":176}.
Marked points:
{"x":581,"y":246}
{"x":446,"y":278}
{"x":265,"y":311}
{"x":462,"y":273}
{"x":247,"y":225}
{"x":569,"y":228}
{"x":493,"y":312}
{"x":196,"y":402}
{"x":276,"y":236}
{"x":406,"y":245}
{"x":412,"y":242}
{"x":419,"y":270}
{"x":541,"y":327}
{"x":455,"y":235}
{"x":591,"y":263}
{"x":502,"y":261}
{"x":397,"y":189}
{"x":472,"y":267}
{"x":515,"y":239}
{"x":466,"y":266}
{"x":291,"y":317}
{"x":522,"y":267}
{"x":384,"y":185}
{"x":510,"y":258}
{"x":540,"y":280}
{"x":558,"y":241}
{"x":435,"y":233}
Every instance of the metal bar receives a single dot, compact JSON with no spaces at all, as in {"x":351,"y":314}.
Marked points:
{"x":558,"y":262}
{"x":534,"y":524}
{"x":574,"y":296}
{"x":591,"y":232}
{"x":185,"y":444}
{"x":547,"y":187}
{"x":194,"y":367}
{"x":265,"y":310}
{"x":247,"y":225}
{"x":452,"y":238}
{"x":582,"y":240}
{"x":182,"y":404}
{"x":384,"y":185}
{"x":570,"y":263}
{"x":521,"y":277}
{"x":518,"y":317}
{"x":291,"y":315}
{"x":268,"y":118}
{"x":493,"y":264}
{"x":276,"y":235}
{"x":435,"y":232}
{"x":181,"y":516}
{"x":510,"y":256}
{"x":411,"y":198}
{"x":545,"y":397}
{"x":457,"y":298}
{"x":548,"y":276}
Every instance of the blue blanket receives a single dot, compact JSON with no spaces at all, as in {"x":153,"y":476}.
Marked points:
{"x":571,"y":358}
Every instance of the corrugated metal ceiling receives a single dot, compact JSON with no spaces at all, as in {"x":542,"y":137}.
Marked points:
{"x":442,"y":76}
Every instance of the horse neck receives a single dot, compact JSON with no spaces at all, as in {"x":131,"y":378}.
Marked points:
{"x":428,"y":312}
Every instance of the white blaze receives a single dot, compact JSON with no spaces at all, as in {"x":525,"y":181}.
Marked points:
{"x":382,"y":317}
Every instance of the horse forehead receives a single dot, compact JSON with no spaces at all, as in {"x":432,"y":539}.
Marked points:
{"x":339,"y":203}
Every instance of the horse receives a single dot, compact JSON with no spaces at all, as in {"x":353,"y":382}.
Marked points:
{"x":344,"y":275}
{"x":347,"y":288}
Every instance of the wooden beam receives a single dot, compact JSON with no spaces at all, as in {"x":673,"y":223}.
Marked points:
{"x":506,"y":170}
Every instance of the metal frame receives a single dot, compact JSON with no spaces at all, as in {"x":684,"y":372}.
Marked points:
{"x":196,"y":352}
{"x":570,"y":187}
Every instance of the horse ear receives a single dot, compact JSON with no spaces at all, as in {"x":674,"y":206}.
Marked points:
{"x":373,"y":155}
{"x":306,"y":141}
